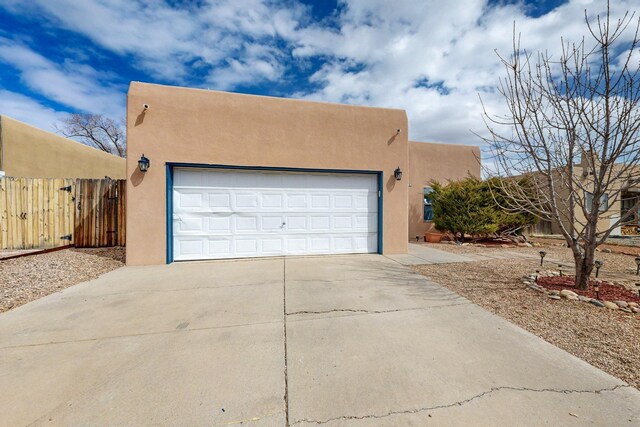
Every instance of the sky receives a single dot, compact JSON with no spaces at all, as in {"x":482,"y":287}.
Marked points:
{"x":432,"y":58}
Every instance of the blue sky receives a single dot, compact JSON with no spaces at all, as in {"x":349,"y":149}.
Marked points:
{"x":431,"y":58}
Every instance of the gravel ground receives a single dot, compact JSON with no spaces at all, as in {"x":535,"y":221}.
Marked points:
{"x":29,"y":278}
{"x":620,"y":268}
{"x":609,"y":340}
{"x":628,"y":245}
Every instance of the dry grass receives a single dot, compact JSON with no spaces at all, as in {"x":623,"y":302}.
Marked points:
{"x":609,"y":340}
{"x":29,"y":278}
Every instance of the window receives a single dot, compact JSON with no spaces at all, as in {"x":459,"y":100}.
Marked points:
{"x":588,"y":199}
{"x":428,"y":209}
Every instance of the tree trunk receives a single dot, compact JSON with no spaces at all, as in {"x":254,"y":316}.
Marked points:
{"x":584,"y":266}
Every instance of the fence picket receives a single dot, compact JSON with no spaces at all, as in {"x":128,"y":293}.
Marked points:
{"x":37,"y":212}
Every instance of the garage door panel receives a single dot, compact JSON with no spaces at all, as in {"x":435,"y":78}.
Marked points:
{"x":219,"y":201}
{"x":297,"y":201}
{"x":190,"y":178}
{"x":342,"y":222}
{"x":320,"y":201}
{"x":190,"y":200}
{"x":219,"y":224}
{"x":272,"y":245}
{"x":320,"y":223}
{"x":272,"y":201}
{"x":246,"y":224}
{"x":296,"y":223}
{"x":246,"y":246}
{"x":232,"y":214}
{"x":219,"y":247}
{"x":273,"y":223}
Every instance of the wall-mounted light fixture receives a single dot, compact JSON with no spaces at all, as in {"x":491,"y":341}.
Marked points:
{"x":397,"y":174}
{"x":143,"y":164}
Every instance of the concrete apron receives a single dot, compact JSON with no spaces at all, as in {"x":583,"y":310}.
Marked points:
{"x":364,"y":341}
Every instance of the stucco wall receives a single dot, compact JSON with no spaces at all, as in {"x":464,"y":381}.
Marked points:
{"x":435,"y":162}
{"x":209,"y":127}
{"x":34,"y":153}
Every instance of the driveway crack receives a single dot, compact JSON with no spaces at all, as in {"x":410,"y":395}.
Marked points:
{"x":352,"y":310}
{"x":459,"y":403}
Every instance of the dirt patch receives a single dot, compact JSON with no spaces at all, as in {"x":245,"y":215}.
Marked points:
{"x":29,"y":278}
{"x":607,"y":339}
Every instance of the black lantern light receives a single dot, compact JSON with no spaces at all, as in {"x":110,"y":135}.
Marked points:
{"x":596,"y":288}
{"x":560,"y":268}
{"x":598,"y":265}
{"x":542,"y":255}
{"x":638,"y":266}
{"x":397,"y":174}
{"x":638,"y":286}
{"x":143,"y":164}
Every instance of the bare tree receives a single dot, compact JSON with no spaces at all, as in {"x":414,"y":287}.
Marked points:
{"x":96,"y":131}
{"x":572,"y":134}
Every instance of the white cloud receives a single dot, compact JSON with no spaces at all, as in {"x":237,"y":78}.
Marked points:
{"x":28,"y":110}
{"x":393,"y":45}
{"x":75,"y":85}
{"x":374,"y":53}
{"x":164,"y":41}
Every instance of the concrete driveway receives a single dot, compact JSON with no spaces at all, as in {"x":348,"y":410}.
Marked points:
{"x":345,"y":340}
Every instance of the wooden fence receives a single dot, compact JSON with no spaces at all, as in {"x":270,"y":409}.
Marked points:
{"x":49,"y":213}
{"x":100,"y":211}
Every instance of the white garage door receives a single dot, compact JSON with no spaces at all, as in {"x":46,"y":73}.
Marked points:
{"x":236,"y":213}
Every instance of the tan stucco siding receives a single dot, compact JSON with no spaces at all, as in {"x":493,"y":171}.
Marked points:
{"x":34,"y":153}
{"x":207,"y":127}
{"x":430,"y":162}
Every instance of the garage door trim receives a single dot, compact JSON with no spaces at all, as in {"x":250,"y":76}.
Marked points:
{"x":169,"y":191}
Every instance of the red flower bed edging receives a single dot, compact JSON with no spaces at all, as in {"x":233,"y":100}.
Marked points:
{"x":608,"y":291}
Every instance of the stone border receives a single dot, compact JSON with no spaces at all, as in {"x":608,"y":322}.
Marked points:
{"x":530,"y":282}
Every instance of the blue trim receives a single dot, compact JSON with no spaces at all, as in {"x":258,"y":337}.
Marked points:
{"x":169,"y":191}
{"x":380,"y":209}
{"x":270,"y":168}
{"x":169,"y":211}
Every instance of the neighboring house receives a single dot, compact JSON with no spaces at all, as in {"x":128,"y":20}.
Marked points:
{"x":235,"y":176}
{"x":612,"y":210}
{"x":29,"y":152}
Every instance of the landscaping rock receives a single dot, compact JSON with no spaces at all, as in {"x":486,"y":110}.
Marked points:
{"x":566,"y":293}
{"x":596,"y":303}
{"x":633,"y":304}
{"x":558,"y":297}
{"x":621,"y":304}
{"x":584,"y":299}
{"x":606,"y":251}
{"x":626,"y":310}
{"x":635,"y":309}
{"x":537,"y":288}
{"x":554,"y":292}
{"x":610,"y":305}
{"x":571,"y":298}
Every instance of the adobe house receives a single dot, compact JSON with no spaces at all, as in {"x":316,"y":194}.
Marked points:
{"x":29,"y":152}
{"x":234,"y":176}
{"x":624,"y":205}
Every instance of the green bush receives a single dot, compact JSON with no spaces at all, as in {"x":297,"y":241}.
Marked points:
{"x":468,"y":208}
